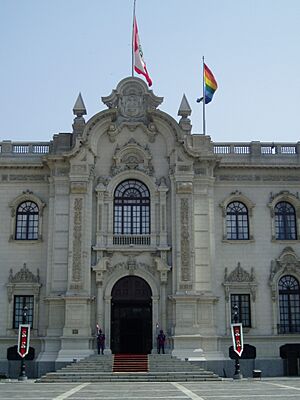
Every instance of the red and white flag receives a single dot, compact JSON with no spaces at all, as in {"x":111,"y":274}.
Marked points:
{"x":139,"y":63}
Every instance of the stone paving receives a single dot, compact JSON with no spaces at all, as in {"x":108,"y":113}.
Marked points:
{"x":246,"y":389}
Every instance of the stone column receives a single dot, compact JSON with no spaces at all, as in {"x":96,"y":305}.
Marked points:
{"x":163,"y":189}
{"x":100,"y":305}
{"x":107,"y":316}
{"x":155,"y":321}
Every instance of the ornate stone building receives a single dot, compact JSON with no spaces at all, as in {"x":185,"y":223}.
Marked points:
{"x":134,"y":223}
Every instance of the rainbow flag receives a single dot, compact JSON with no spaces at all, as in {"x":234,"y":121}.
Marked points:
{"x":210,"y":84}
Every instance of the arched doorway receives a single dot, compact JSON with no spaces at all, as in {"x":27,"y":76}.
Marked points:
{"x":131,"y":316}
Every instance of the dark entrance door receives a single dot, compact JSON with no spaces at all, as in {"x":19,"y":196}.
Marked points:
{"x":131,"y":316}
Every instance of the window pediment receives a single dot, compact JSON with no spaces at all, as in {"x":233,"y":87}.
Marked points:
{"x":240,"y":279}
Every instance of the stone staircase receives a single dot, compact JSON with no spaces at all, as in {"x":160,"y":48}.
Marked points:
{"x":106,"y":368}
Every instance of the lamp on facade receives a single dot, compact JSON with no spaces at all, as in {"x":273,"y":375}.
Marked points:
{"x":23,"y":376}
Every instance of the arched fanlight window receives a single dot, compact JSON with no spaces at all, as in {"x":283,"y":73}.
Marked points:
{"x":131,"y":208}
{"x":237,"y":225}
{"x":285,"y":221}
{"x":289,"y":304}
{"x":27,"y":221}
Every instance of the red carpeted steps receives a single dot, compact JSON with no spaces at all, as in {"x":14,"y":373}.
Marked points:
{"x":130,"y":363}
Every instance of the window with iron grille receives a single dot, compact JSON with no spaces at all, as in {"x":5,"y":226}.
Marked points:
{"x":289,"y":304}
{"x":242,"y":301}
{"x":237,"y":222}
{"x":27,"y":221}
{"x":131,"y":208}
{"x":285,"y":221}
{"x":19,"y":303}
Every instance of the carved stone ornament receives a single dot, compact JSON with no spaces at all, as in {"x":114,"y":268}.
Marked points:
{"x":132,"y":156}
{"x":239,"y":279}
{"x":24,"y":275}
{"x":287,"y":263}
{"x":285,"y":194}
{"x":131,"y":266}
{"x":23,"y":279}
{"x":239,"y":275}
{"x":163,"y":268}
{"x":133,"y":100}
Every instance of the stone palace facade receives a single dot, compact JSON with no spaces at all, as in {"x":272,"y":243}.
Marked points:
{"x":133,"y":222}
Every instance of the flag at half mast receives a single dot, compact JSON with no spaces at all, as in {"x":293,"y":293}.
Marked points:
{"x":139,"y":63}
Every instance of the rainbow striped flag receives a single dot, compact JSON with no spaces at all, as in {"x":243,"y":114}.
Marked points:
{"x":210,"y":84}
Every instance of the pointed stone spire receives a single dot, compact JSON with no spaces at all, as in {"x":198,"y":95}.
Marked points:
{"x":184,"y":112}
{"x":79,"y":108}
{"x":79,"y":122}
{"x":184,"y":108}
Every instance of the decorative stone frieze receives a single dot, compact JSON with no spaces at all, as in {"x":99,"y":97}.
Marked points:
{"x":78,"y":187}
{"x":185,"y":240}
{"x":77,"y":244}
{"x":184,"y":187}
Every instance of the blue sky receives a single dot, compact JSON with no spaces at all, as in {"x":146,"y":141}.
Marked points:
{"x":53,"y":49}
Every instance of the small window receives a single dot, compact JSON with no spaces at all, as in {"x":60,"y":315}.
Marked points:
{"x":27,"y":221}
{"x":19,"y":303}
{"x":244,"y":310}
{"x":285,"y":221}
{"x":237,"y":225}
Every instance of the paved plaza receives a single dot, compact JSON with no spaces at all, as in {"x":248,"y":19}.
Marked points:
{"x":275,"y":388}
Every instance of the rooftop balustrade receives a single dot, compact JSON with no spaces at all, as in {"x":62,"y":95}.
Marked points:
{"x":224,"y":149}
{"x":257,"y":149}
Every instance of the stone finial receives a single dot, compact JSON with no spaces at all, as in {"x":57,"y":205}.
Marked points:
{"x":184,"y":108}
{"x":184,"y":112}
{"x":79,"y":108}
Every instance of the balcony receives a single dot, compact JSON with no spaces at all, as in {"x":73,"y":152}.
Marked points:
{"x":132,"y":240}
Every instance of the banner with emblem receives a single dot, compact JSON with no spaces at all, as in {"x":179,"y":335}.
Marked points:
{"x":23,"y":339}
{"x":237,"y":338}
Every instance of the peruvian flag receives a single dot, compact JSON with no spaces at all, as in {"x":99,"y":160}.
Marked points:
{"x":139,"y":63}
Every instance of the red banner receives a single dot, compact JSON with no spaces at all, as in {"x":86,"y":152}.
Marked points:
{"x":237,"y":338}
{"x":23,"y":340}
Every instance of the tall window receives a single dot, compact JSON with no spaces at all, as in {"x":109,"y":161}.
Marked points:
{"x":19,"y":303}
{"x":131,"y":208}
{"x":285,"y":221}
{"x":289,"y":304}
{"x":27,"y":221}
{"x":243,"y":303}
{"x":237,"y":221}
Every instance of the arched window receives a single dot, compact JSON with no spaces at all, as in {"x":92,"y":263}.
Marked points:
{"x":237,"y":225}
{"x":131,"y":208}
{"x":285,"y":221}
{"x":289,"y":304}
{"x":27,"y":221}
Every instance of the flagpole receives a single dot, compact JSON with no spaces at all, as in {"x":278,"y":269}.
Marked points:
{"x":204,"y":127}
{"x":132,"y":49}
